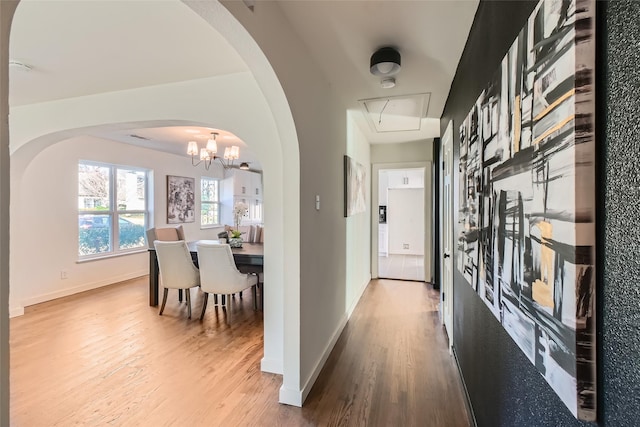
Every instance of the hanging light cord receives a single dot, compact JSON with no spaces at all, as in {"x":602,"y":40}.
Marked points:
{"x":382,"y":111}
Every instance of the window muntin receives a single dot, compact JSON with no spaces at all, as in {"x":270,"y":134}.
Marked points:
{"x":112,"y":209}
{"x":209,"y":202}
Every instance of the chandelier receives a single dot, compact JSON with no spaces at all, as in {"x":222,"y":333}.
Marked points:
{"x":208,"y":153}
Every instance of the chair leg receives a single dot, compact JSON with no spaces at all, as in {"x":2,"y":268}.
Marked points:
{"x":188,"y":292}
{"x":179,"y":295}
{"x":164,"y":300}
{"x":215,"y":299}
{"x":255,"y":296}
{"x":204,"y":305}
{"x":261,"y":286}
{"x":224,"y":299}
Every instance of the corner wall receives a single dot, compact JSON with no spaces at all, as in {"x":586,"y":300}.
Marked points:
{"x":7,"y":9}
{"x":504,"y":387}
{"x":321,"y":128}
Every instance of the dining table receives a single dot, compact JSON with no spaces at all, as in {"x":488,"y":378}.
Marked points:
{"x":249,"y":259}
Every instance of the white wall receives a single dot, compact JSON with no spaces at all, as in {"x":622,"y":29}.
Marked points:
{"x":383,"y":186}
{"x":358,"y":238}
{"x":263,"y":122}
{"x":44,"y":229}
{"x":321,"y":128}
{"x":405,"y":221}
{"x":38,"y":126}
{"x":415,"y":151}
{"x":6,"y":13}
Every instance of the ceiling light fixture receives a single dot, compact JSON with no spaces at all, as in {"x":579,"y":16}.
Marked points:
{"x":208,"y":153}
{"x":385,"y":62}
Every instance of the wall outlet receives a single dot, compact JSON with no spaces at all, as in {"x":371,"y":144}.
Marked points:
{"x":405,"y":246}
{"x":64,"y":274}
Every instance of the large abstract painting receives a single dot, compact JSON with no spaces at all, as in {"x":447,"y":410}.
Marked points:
{"x":526,"y":220}
{"x":355,"y":190}
{"x":180,"y":199}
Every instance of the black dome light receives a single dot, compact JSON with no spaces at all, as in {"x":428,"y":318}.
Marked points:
{"x":385,"y":62}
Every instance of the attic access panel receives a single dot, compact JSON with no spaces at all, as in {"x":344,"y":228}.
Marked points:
{"x":396,"y":113}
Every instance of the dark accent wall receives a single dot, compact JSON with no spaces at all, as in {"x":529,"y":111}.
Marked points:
{"x":503,"y":386}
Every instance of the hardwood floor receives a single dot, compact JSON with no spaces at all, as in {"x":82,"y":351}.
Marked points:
{"x":104,"y":357}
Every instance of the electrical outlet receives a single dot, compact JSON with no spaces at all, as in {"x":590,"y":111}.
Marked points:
{"x":63,"y":274}
{"x":405,"y":246}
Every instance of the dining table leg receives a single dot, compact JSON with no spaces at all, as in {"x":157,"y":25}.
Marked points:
{"x":153,"y":279}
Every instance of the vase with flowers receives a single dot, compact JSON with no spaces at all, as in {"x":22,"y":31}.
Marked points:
{"x":240,"y":209}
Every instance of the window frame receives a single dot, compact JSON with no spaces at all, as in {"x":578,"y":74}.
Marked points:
{"x":113,"y":212}
{"x":211,"y":203}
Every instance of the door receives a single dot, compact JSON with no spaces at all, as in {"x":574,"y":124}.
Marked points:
{"x":447,"y":233}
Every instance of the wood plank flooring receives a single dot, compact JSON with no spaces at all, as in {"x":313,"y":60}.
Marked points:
{"x":105,"y":358}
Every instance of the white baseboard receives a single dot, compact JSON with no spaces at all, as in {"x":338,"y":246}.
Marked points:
{"x":332,"y":342}
{"x":16,"y":311}
{"x":37,"y":299}
{"x":273,"y":366}
{"x":357,"y":300}
{"x":290,"y":397}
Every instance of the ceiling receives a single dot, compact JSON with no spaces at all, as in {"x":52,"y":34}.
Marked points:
{"x":82,"y":48}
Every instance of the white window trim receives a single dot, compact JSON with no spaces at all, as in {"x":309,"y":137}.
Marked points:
{"x":217,"y":202}
{"x":113,"y":212}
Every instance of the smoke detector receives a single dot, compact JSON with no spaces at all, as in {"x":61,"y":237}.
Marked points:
{"x":388,"y":83}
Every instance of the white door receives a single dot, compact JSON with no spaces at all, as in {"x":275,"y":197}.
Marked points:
{"x":447,"y":233}
{"x":405,"y":221}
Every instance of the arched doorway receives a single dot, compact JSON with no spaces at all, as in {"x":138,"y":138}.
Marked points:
{"x":280,"y":345}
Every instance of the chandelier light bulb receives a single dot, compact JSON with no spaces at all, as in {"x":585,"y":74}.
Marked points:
{"x":192,"y":148}
{"x":212,"y":146}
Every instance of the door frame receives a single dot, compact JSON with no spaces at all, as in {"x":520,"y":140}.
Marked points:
{"x":446,"y":288}
{"x":428,"y":213}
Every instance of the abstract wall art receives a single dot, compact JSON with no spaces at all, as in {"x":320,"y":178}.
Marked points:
{"x":181,"y":201}
{"x":526,"y":240}
{"x":355,"y":191}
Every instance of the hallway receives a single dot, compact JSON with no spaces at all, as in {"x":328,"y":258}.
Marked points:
{"x":105,"y":357}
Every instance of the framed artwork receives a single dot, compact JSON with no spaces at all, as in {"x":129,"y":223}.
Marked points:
{"x":355,"y":192}
{"x":181,"y":202}
{"x":526,"y":225}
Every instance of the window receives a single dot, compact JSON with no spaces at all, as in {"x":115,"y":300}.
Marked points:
{"x":209,"y":202}
{"x":112,"y":209}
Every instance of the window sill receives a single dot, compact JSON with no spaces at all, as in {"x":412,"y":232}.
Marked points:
{"x":116,"y":255}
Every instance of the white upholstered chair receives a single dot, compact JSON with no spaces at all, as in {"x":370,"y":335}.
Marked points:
{"x":176,"y":269}
{"x":219,"y":274}
{"x":166,"y":234}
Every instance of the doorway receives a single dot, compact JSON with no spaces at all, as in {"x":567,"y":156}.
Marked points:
{"x":446,"y":234}
{"x":401,"y":224}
